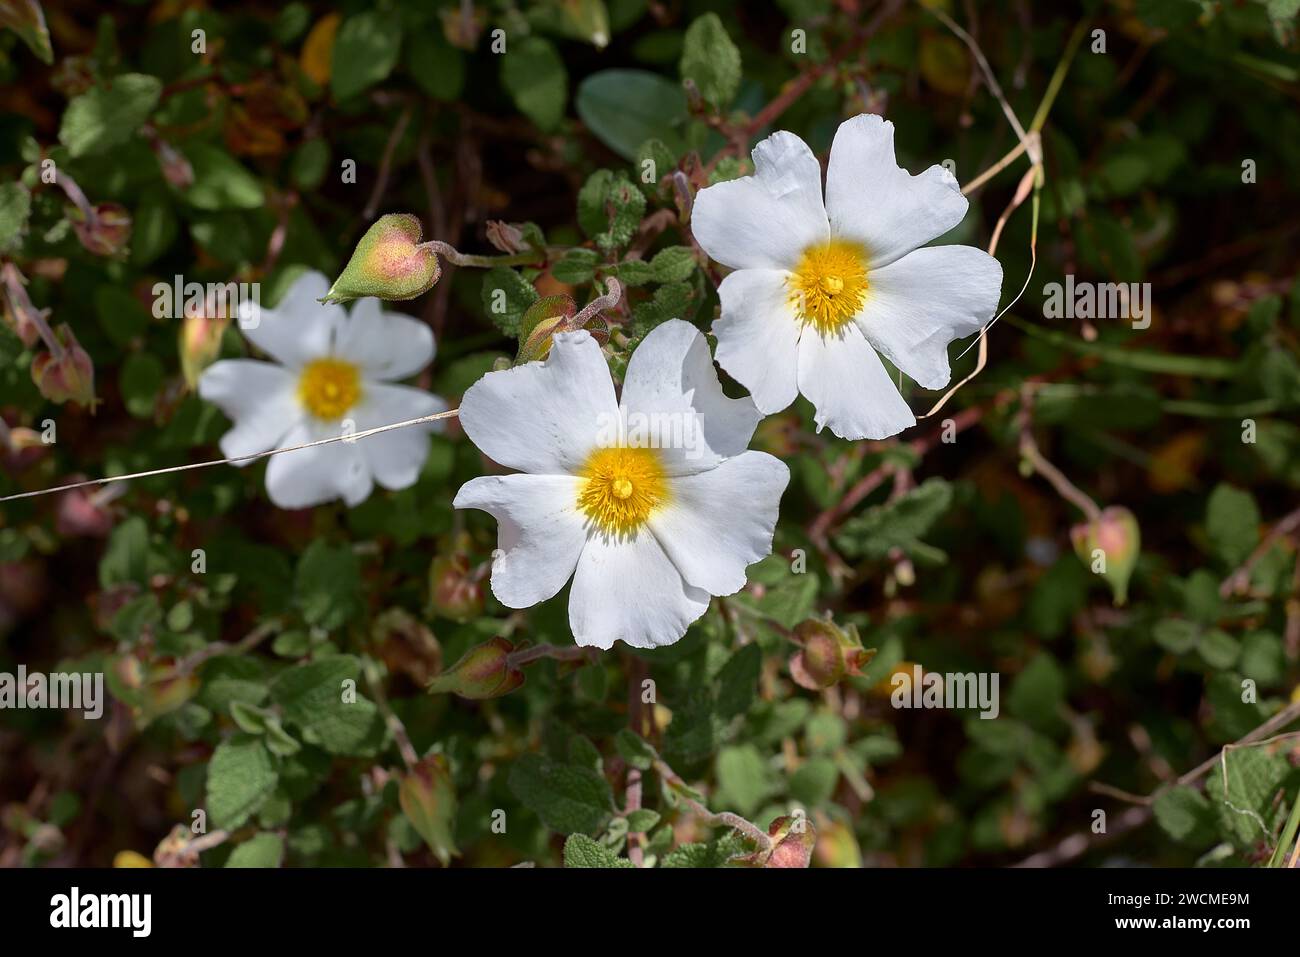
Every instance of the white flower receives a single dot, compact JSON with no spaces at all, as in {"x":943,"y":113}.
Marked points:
{"x":821,"y":288}
{"x":332,"y":378}
{"x":651,"y":504}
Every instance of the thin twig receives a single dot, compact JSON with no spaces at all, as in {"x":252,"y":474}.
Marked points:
{"x":1240,"y":576}
{"x":351,"y":437}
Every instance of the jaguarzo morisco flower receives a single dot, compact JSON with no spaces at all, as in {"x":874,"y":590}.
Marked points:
{"x":333,"y":377}
{"x":651,"y":503}
{"x":821,"y":288}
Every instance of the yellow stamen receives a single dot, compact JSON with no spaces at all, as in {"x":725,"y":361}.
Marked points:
{"x":829,"y":286}
{"x":622,"y":488}
{"x":329,"y":387}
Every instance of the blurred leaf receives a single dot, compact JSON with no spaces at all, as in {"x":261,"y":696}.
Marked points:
{"x":104,"y":116}
{"x":711,"y":61}
{"x":624,"y":108}
{"x":534,"y":75}
{"x":365,"y":52}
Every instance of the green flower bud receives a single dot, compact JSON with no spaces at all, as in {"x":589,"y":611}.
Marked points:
{"x":428,"y":799}
{"x":482,"y":672}
{"x":546,"y":318}
{"x":1110,"y":547}
{"x":389,"y":263}
{"x":828,"y":653}
{"x":65,"y":374}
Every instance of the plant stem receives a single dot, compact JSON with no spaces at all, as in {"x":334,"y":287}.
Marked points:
{"x":531,"y":258}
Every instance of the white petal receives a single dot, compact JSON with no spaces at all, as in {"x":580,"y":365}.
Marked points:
{"x":309,"y":477}
{"x":544,"y":417}
{"x":627,"y":588}
{"x":721,"y":521}
{"x":764,"y":221}
{"x":870,"y":198}
{"x":847,"y":383}
{"x":386,"y":345}
{"x":922,"y":302}
{"x":299,"y":328}
{"x":396,"y":457}
{"x":539,"y":531}
{"x":672,"y":401}
{"x":258,"y":396}
{"x":758,"y":336}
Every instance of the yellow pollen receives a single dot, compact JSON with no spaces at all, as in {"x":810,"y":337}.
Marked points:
{"x":829,"y":286}
{"x":329,"y":387}
{"x":621,"y":489}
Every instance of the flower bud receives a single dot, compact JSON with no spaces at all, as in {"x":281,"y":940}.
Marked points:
{"x":388,"y":263}
{"x":548,"y":317}
{"x":428,"y":799}
{"x":453,"y":591}
{"x":837,"y":845}
{"x":104,"y":229}
{"x":66,"y":374}
{"x":18,"y":316}
{"x":80,"y":513}
{"x":199,"y":344}
{"x":1110,"y":546}
{"x":482,"y":672}
{"x":827,"y":654}
{"x":793,"y":839}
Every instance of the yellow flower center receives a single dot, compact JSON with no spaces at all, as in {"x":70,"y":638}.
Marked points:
{"x":623,"y":487}
{"x":329,"y":387}
{"x":829,"y":286}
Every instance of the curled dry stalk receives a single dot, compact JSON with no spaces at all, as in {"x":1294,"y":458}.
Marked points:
{"x":1031,"y":183}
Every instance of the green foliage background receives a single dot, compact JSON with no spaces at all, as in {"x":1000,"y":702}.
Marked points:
{"x":225,"y":684}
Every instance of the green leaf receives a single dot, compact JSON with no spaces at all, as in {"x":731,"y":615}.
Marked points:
{"x":1038,"y":692}
{"x":437,"y":67}
{"x":1242,"y":788}
{"x":140,"y":382}
{"x":1232,"y":523}
{"x":738,"y":682}
{"x":713,"y":854}
{"x":126,"y":559}
{"x":104,"y":116}
{"x":744,"y":779}
{"x":506,"y":297}
{"x":261,"y":850}
{"x":534,"y":75}
{"x":610,"y":209}
{"x":241,"y":776}
{"x":674,"y":264}
{"x":365,"y":52}
{"x":582,"y":851}
{"x":897,"y":524}
{"x":220,"y":181}
{"x":1185,"y":814}
{"x":634,"y":749}
{"x":624,"y":108}
{"x":711,"y":61}
{"x":569,"y":798}
{"x":1144,"y":360}
{"x":327,"y":586}
{"x":321,"y":698}
{"x":642,"y":820}
{"x":576,"y":266}
{"x":15,"y":206}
